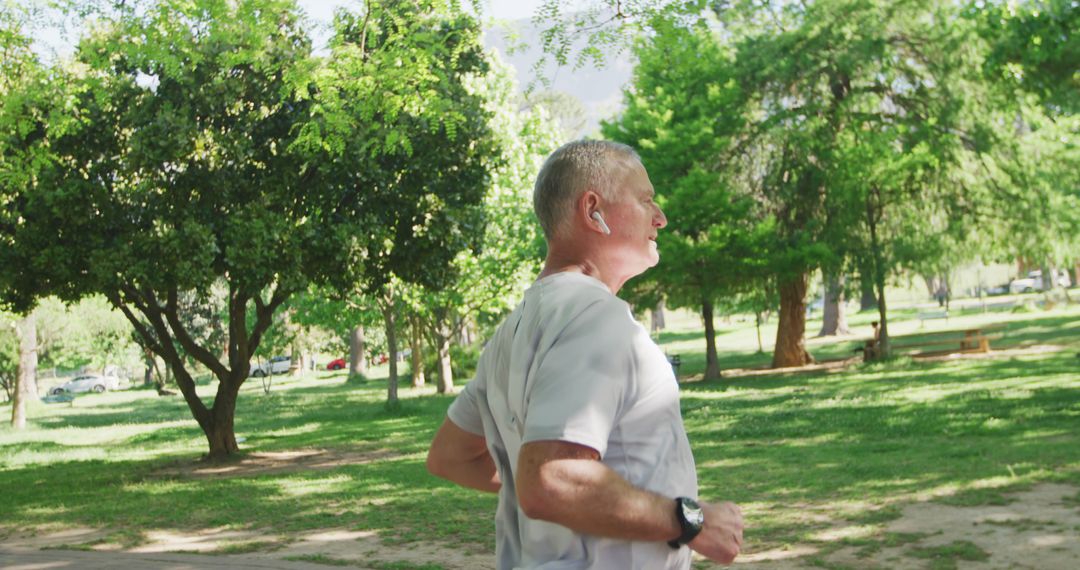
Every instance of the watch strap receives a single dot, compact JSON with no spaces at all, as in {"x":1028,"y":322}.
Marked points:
{"x":690,"y":529}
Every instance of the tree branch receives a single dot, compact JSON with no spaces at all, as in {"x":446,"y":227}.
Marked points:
{"x":140,"y":328}
{"x":152,"y":309}
{"x":239,"y":356}
{"x":264,"y":316}
{"x":184,"y":338}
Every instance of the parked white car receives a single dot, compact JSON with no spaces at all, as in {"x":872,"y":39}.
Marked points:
{"x":276,"y":365}
{"x":1034,"y":282}
{"x":87,"y":383}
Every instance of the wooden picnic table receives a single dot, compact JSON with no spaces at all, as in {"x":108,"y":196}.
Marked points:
{"x":976,"y":339}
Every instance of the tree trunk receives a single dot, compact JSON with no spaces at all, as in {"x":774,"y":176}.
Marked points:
{"x":217,"y":421}
{"x":867,"y":298}
{"x":790,"y":347}
{"x":391,"y":347}
{"x":296,"y":359}
{"x":150,"y":363}
{"x":467,"y":334}
{"x":757,"y":321}
{"x":712,"y":363}
{"x":417,"y":342}
{"x":443,"y":369}
{"x":834,"y":319}
{"x":160,"y":379}
{"x":357,"y":362}
{"x":221,"y":434}
{"x":1049,"y":277}
{"x":883,"y":343}
{"x":658,"y":323}
{"x":873,"y":212}
{"x":26,"y":392}
{"x":933,"y":285}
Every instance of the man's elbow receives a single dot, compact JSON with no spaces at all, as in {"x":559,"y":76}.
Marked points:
{"x":533,"y":505}
{"x":436,"y":465}
{"x":536,"y":500}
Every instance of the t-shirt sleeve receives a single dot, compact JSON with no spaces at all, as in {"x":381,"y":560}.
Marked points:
{"x":465,"y":409}
{"x":580,"y":384}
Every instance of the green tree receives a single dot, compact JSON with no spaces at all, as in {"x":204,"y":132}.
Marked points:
{"x":491,"y":277}
{"x":1034,"y":49}
{"x":9,"y":355}
{"x":351,"y":323}
{"x":683,"y":113}
{"x":869,"y":111}
{"x":20,"y":71}
{"x":814,"y":71}
{"x":433,"y":147}
{"x":200,"y":144}
{"x":1035,"y":46}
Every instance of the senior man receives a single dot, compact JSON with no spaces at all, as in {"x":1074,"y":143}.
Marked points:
{"x":573,"y":417}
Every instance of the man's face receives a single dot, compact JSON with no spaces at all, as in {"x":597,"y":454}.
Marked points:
{"x":634,"y":219}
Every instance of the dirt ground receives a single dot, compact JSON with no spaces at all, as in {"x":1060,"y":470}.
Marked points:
{"x":274,"y":462}
{"x":1038,"y":529}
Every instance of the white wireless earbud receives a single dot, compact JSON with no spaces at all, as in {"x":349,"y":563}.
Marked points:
{"x":603,"y":225}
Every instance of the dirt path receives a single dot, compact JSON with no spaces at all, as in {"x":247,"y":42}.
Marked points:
{"x":1039,"y":529}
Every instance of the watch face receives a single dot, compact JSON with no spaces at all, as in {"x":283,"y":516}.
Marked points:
{"x":692,"y":512}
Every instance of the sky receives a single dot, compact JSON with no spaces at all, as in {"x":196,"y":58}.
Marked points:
{"x":322,"y":11}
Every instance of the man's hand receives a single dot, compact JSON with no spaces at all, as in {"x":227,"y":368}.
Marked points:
{"x":721,"y":537}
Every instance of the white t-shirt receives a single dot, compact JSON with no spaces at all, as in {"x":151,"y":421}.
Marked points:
{"x":570,"y":363}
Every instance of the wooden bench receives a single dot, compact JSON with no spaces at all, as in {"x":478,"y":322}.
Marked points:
{"x":931,"y":315}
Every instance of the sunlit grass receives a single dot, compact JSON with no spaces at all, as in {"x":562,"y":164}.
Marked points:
{"x":803,"y":453}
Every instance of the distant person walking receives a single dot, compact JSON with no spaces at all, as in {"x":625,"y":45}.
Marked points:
{"x":573,"y":417}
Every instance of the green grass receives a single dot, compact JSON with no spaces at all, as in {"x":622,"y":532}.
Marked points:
{"x":320,"y":559}
{"x":944,"y":557}
{"x":737,"y":345}
{"x":246,"y":547}
{"x":849,"y":447}
{"x":403,"y":566}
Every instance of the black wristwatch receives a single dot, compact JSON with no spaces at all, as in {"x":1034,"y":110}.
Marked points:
{"x":691,"y":519}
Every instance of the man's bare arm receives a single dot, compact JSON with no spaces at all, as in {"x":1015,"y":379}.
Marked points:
{"x":462,"y":457}
{"x":566,"y":483}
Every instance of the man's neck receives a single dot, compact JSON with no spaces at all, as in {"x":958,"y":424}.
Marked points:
{"x":556,"y":263}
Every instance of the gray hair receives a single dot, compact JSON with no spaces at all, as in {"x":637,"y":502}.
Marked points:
{"x":571,"y":170}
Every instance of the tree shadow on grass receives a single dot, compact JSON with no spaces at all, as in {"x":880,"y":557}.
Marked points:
{"x":12,"y":449}
{"x":1062,"y":330}
{"x":898,"y":434}
{"x":387,"y":497}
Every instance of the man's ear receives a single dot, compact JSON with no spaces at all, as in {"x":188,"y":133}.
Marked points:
{"x":589,"y":202}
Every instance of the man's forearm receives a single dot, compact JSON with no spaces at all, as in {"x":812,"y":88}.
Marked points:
{"x":479,"y":474}
{"x":462,"y":457}
{"x":584,"y":495}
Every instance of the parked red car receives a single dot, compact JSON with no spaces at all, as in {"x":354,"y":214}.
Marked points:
{"x":338,"y":364}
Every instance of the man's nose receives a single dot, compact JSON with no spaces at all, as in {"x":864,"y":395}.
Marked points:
{"x":659,"y":219}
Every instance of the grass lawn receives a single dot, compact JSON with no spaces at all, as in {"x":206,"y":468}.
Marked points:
{"x":801,"y":452}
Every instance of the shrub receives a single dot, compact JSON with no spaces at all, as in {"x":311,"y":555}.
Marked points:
{"x":463,"y":361}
